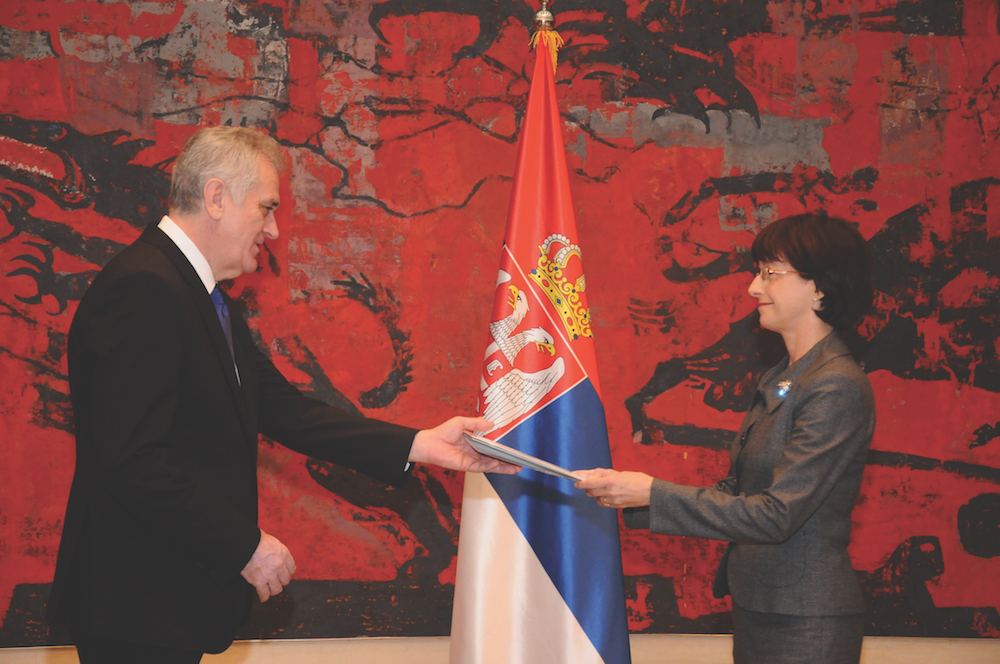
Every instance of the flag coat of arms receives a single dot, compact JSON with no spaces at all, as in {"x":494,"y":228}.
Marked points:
{"x":539,"y":574}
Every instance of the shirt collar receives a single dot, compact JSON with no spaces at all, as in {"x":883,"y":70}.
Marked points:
{"x":190,"y":251}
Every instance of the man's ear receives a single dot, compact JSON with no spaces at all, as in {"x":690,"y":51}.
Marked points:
{"x":214,"y":198}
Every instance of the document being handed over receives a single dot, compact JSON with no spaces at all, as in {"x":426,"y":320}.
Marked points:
{"x":494,"y":449}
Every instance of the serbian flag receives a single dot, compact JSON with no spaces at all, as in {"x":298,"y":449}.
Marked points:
{"x":539,"y":576}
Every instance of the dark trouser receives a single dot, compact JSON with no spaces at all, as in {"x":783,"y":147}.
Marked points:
{"x":774,"y":638}
{"x":97,"y":650}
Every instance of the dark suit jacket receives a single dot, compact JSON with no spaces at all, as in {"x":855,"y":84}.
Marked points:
{"x":795,"y":474}
{"x":162,"y":513}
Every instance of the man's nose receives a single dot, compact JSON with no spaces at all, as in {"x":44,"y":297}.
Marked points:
{"x":271,"y":228}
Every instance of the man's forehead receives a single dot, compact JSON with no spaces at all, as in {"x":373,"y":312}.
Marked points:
{"x":268,"y":183}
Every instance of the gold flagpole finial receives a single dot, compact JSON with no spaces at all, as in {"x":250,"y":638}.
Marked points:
{"x":545,"y":33}
{"x":544,"y":20}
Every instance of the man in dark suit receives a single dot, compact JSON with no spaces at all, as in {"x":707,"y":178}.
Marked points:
{"x":161,"y":552}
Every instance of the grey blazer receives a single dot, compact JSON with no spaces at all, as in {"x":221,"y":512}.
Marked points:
{"x":795,"y":473}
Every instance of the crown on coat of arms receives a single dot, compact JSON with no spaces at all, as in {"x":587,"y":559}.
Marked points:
{"x":555,"y":276}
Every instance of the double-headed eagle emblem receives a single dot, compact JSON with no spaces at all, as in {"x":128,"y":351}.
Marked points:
{"x":516,"y":392}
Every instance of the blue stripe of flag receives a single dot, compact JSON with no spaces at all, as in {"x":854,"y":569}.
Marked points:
{"x":575,"y":539}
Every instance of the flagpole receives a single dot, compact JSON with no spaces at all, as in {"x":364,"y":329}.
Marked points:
{"x":539,"y":577}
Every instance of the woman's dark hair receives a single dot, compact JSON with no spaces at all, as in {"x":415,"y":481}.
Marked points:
{"x":829,"y":251}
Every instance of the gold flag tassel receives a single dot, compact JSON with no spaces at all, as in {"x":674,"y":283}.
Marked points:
{"x":545,"y":34}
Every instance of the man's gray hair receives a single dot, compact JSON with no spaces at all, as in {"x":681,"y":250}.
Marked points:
{"x":227,"y":153}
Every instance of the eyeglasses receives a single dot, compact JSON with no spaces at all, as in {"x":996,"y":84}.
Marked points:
{"x":765,"y":273}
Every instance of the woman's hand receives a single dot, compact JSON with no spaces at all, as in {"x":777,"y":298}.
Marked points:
{"x":616,"y":489}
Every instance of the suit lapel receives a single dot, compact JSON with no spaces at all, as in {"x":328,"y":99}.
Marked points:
{"x":243,"y":348}
{"x":779,"y":385}
{"x":209,"y":318}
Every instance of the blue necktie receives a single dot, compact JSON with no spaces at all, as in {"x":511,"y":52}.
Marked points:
{"x":223,"y":311}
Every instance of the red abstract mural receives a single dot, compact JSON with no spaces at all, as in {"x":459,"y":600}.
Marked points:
{"x":689,"y":124}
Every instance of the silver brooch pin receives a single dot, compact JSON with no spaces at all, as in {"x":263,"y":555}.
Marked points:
{"x":783,"y":387}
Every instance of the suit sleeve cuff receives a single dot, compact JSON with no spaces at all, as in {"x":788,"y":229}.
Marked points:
{"x":636,"y":517}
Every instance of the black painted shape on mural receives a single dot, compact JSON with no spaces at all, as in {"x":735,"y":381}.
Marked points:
{"x":320,"y":385}
{"x":298,"y":354}
{"x":898,"y":602}
{"x":384,"y":305}
{"x":63,"y":287}
{"x":908,"y":17}
{"x":47,"y":364}
{"x":304,"y":609}
{"x":668,"y":58}
{"x":260,"y":21}
{"x":15,"y":205}
{"x":985,"y":434}
{"x":25,"y":623}
{"x":78,"y":170}
{"x":395,"y":608}
{"x":979,"y":525}
{"x":656,"y":56}
{"x":964,"y":469}
{"x":729,"y":369}
{"x":804,"y":183}
{"x":381,"y":302}
{"x":912,"y":266}
{"x":330,"y":609}
{"x":53,"y":409}
{"x":491,"y":14}
{"x":663,"y":615}
{"x":422,"y":502}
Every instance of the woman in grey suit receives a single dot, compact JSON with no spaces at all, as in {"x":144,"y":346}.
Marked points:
{"x":795,"y":465}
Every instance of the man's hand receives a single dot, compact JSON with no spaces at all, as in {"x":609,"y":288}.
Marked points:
{"x":445,"y":446}
{"x":270,"y":568}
